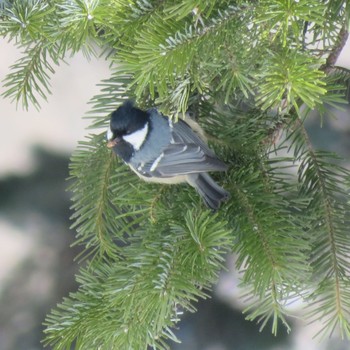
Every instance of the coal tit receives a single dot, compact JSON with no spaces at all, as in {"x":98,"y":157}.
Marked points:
{"x":158,"y":150}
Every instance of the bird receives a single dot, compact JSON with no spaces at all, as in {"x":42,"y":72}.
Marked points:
{"x":162,"y":151}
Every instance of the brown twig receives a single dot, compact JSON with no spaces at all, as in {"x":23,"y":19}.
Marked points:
{"x":337,"y":49}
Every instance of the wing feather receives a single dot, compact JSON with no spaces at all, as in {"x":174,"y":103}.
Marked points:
{"x":187,"y":153}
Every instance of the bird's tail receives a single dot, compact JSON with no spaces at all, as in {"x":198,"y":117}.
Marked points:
{"x":208,"y":189}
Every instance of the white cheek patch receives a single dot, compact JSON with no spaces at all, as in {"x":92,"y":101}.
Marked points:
{"x":137,"y":138}
{"x":109,"y":134}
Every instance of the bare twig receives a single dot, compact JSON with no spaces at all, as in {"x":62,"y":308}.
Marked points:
{"x":337,"y":49}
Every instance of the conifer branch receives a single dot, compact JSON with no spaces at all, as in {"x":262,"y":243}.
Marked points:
{"x":152,"y":253}
{"x":30,"y":76}
{"x":94,"y":211}
{"x":325,"y":182}
{"x":158,"y":62}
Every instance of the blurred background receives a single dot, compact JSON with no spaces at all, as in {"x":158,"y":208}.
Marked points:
{"x":37,"y":264}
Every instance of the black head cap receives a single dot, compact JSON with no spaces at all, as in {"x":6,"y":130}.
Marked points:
{"x":127,"y":119}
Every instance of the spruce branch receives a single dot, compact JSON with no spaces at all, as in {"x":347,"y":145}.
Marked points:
{"x":194,"y":7}
{"x":163,"y":58}
{"x":323,"y":181}
{"x":137,"y":300}
{"x":285,"y":19}
{"x":79,"y":23}
{"x":334,"y":86}
{"x":265,"y":239}
{"x":26,"y":21}
{"x":264,"y":199}
{"x":291,"y":78}
{"x":152,"y":251}
{"x":341,"y":81}
{"x":94,"y":211}
{"x":31,"y":75}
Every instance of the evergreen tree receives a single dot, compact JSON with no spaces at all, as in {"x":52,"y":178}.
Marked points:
{"x":248,"y":71}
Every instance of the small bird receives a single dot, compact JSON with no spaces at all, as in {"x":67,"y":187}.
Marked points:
{"x":158,"y":150}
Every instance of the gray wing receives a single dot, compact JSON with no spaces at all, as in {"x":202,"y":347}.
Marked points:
{"x":187,"y":153}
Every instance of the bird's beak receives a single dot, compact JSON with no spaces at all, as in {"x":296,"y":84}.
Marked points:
{"x":112,"y":143}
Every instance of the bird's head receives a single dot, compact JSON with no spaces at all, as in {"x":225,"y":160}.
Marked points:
{"x":128,"y":124}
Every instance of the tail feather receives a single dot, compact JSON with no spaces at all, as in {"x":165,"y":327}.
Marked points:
{"x":208,"y":189}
